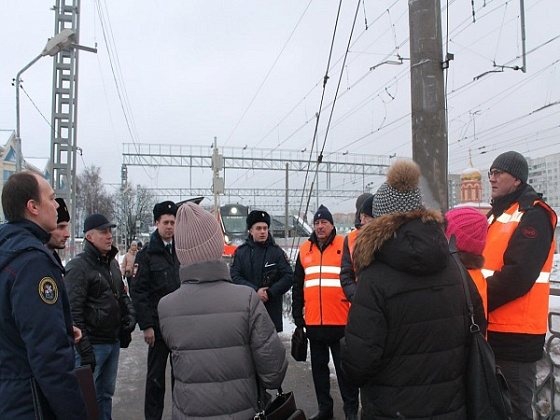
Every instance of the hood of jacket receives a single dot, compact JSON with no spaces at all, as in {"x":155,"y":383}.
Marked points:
{"x":204,"y":272}
{"x":16,"y":237}
{"x":411,"y":242}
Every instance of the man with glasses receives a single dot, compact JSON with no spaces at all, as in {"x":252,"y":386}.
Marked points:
{"x":518,"y":260}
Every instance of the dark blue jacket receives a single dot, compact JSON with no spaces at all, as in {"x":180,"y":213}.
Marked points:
{"x":156,"y":275}
{"x":254,"y":264}
{"x":36,"y":337}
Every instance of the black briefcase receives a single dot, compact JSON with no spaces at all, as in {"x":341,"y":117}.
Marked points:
{"x":85,"y":379}
{"x":299,"y":345}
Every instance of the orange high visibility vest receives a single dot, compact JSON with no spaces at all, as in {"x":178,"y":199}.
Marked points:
{"x":325,"y":303}
{"x":351,"y":242}
{"x":529,"y":313}
{"x":481,"y":286}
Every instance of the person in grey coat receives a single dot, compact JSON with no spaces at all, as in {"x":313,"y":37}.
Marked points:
{"x":222,"y":341}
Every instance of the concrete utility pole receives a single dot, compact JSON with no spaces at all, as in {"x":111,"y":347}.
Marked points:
{"x":286,"y":211}
{"x":429,"y":122}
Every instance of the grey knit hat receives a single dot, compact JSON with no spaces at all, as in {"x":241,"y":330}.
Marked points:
{"x":367,"y":206}
{"x":513,"y":163}
{"x":198,"y":236}
{"x":400,"y":193}
{"x":359,"y":203}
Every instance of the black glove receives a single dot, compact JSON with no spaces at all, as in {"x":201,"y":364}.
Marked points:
{"x":300,"y":323}
{"x":128,"y":324}
{"x":87,"y":356}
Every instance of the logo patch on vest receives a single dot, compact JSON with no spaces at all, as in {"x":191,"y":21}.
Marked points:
{"x":48,"y":290}
{"x":529,"y":232}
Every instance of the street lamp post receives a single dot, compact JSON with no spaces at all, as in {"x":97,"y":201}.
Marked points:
{"x":54,"y":45}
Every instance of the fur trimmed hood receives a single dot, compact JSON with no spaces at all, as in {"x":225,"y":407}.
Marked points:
{"x":412,"y":242}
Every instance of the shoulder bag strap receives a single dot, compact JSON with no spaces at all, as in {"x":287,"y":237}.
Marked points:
{"x":474,"y":327}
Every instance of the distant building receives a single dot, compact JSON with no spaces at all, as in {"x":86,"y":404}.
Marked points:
{"x":8,"y":161}
{"x":544,"y":176}
{"x":471,"y":191}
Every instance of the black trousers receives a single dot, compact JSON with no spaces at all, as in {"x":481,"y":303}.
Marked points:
{"x":521,"y":380}
{"x":155,"y":380}
{"x":321,"y":377}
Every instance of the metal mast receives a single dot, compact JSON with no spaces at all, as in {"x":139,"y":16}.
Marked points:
{"x":64,"y":112}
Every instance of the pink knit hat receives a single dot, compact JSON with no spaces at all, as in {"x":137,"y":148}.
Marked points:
{"x":198,"y":236}
{"x":470,"y":227}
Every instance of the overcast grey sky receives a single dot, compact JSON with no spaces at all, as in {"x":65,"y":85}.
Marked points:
{"x":250,"y":73}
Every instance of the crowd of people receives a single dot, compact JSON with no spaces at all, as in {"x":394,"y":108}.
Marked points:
{"x":385,"y":302}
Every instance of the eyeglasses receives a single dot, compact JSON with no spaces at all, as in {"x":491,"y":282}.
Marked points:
{"x":495,"y":173}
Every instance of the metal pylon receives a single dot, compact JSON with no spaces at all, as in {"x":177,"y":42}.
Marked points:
{"x":64,"y":112}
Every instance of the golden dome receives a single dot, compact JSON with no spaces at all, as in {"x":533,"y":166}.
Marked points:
{"x":471,"y":174}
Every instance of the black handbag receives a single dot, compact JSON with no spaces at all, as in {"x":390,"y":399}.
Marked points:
{"x":299,"y":345}
{"x":283,"y":407}
{"x":487,"y":390}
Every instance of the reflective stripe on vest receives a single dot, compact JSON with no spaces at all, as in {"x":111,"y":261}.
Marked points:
{"x":527,"y":314}
{"x":325,"y":303}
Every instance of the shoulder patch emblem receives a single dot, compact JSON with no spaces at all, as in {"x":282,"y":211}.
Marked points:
{"x":48,"y":290}
{"x":529,"y":232}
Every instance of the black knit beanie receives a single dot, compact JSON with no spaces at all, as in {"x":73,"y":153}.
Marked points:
{"x":513,"y":163}
{"x":323,"y":213}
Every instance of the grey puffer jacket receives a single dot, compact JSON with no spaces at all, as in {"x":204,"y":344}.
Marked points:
{"x":221,"y":338}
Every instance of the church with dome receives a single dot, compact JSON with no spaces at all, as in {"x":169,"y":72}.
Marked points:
{"x":471,"y":189}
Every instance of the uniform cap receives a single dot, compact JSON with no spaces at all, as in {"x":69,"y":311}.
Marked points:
{"x":257,"y":216}
{"x":166,"y":207}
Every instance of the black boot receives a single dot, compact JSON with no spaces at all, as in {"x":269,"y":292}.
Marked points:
{"x":322,"y":415}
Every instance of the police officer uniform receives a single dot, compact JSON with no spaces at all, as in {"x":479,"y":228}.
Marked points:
{"x":36,"y":339}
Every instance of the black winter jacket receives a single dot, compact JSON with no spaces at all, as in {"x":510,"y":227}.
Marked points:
{"x":406,"y":340}
{"x":97,"y":297}
{"x":156,"y":275}
{"x":257,"y":265}
{"x":347,"y":274}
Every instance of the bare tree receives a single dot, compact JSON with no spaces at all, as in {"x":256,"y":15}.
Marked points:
{"x":133,"y":212}
{"x":91,"y":197}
